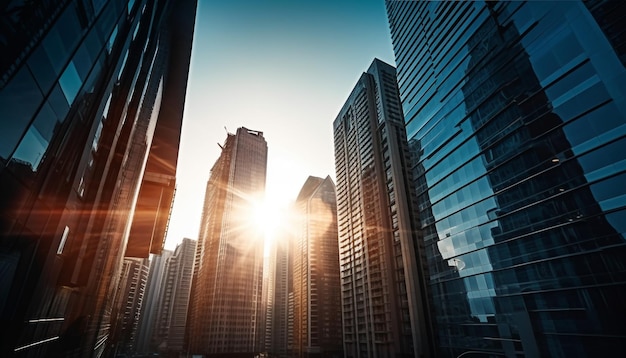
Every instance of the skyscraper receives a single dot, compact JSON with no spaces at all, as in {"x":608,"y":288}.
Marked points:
{"x":314,"y":277}
{"x":128,"y":301}
{"x":225,"y":313}
{"x":516,"y":118}
{"x":146,"y":337}
{"x":384,"y":313}
{"x":92,"y":96}
{"x":173,"y":303}
{"x":279,"y":276}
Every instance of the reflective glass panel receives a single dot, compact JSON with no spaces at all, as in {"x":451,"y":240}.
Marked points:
{"x":15,"y":115}
{"x":70,"y":82}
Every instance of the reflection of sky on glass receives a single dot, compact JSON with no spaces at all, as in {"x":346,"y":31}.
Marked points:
{"x":70,"y":82}
{"x":281,"y":67}
{"x":32,"y":148}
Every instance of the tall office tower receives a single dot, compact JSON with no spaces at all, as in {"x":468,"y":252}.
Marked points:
{"x":315,"y":279}
{"x":128,"y":301}
{"x":91,"y":96}
{"x":171,"y":319}
{"x":384,"y":313}
{"x":149,"y":309}
{"x":225,"y":312}
{"x":516,"y":116}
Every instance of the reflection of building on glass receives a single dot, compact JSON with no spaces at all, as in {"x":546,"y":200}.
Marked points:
{"x":518,"y":119}
{"x":225,"y":313}
{"x":92,"y":97}
{"x":384,"y":310}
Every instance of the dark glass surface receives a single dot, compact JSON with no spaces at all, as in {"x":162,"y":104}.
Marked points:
{"x":33,"y":146}
{"x":60,"y":63}
{"x":41,"y":67}
{"x":516,"y":112}
{"x":58,"y":102}
{"x":15,"y":115}
{"x":70,"y":82}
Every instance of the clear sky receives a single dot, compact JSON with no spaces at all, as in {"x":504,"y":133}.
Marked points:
{"x":281,"y":67}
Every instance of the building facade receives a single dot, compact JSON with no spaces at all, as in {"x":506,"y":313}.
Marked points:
{"x":314,"y":281}
{"x":225,"y":315}
{"x":128,"y":302}
{"x":146,"y":341}
{"x":91,"y":96}
{"x":516,"y":118}
{"x":279,"y":276}
{"x":384,"y":311}
{"x":173,"y":302}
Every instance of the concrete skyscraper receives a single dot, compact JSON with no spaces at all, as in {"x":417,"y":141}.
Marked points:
{"x":314,"y":281}
{"x":384,"y":312}
{"x":225,"y":315}
{"x":128,"y":302}
{"x":173,"y":302}
{"x":516,"y":119}
{"x":146,"y":338}
{"x":91,"y":96}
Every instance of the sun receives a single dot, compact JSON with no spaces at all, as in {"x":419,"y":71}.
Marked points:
{"x":267,"y":216}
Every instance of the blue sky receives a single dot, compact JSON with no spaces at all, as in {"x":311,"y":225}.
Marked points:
{"x":281,"y":67}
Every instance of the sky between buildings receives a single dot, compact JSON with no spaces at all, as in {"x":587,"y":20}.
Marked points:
{"x":281,"y":67}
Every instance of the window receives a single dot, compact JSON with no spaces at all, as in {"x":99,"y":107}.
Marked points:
{"x":41,"y":68}
{"x":112,"y":38}
{"x":70,"y":82}
{"x":66,"y":232}
{"x":35,"y":142}
{"x":15,"y":115}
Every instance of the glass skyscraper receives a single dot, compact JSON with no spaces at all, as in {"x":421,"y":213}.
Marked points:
{"x":92,"y":94}
{"x":515,"y":114}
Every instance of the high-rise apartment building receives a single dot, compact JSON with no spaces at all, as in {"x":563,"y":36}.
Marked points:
{"x":225,"y":315}
{"x":314,"y":280}
{"x":384,"y":313}
{"x":146,"y":338}
{"x":128,"y":302}
{"x":91,"y":97}
{"x":173,"y":302}
{"x":516,"y":118}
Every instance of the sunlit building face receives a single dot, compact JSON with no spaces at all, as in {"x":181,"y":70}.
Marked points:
{"x":225,"y":309}
{"x":315,"y":283}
